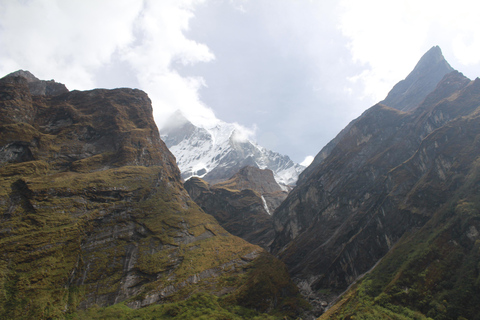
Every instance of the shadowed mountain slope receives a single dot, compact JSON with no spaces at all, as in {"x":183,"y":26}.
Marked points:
{"x":243,"y":204}
{"x":405,"y":95}
{"x":388,"y":173}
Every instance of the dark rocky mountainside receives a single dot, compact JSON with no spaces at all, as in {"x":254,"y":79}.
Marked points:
{"x":405,"y":95}
{"x":409,"y":93}
{"x":243,"y":204}
{"x":433,"y":270}
{"x":93,"y":212}
{"x":388,"y":175}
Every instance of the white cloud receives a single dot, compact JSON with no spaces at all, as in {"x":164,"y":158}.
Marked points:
{"x":242,"y":133}
{"x":160,"y":44}
{"x":389,"y":37}
{"x":307,"y":161}
{"x":71,"y":40}
{"x":64,"y":39}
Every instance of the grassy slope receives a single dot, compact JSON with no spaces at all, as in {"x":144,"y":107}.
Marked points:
{"x":94,"y":213}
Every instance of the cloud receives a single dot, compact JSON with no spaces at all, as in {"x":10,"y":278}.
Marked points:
{"x":389,"y":37}
{"x":160,"y":46}
{"x":307,"y":161}
{"x":64,"y":39}
{"x":73,"y":41}
{"x":242,"y":133}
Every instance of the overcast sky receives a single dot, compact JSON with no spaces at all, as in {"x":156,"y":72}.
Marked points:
{"x":292,"y":73}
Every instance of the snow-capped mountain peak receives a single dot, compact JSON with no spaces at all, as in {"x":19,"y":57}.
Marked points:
{"x":217,"y":152}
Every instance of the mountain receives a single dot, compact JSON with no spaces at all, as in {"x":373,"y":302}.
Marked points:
{"x":261,"y":181}
{"x":405,"y":95}
{"x":218,"y":152}
{"x":243,"y":204}
{"x":409,"y":93}
{"x":432,"y":270}
{"x":94,"y":214}
{"x":40,"y":87}
{"x":389,"y":174}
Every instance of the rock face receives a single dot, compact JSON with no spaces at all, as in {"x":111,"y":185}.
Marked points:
{"x":409,"y":93}
{"x":243,"y":204}
{"x":261,"y":181}
{"x":405,"y":95}
{"x":432,"y":270}
{"x":218,"y":152}
{"x":94,"y":211}
{"x":387,"y":174}
{"x":40,"y":87}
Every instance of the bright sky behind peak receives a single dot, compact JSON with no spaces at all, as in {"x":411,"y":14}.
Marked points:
{"x":292,"y":73}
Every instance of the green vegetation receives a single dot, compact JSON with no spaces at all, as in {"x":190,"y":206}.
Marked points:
{"x":199,"y":306}
{"x":431,"y":274}
{"x":94,"y":213}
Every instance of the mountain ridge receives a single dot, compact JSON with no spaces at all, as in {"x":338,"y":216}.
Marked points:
{"x":346,"y":212}
{"x":94,"y":214}
{"x":217,"y":153}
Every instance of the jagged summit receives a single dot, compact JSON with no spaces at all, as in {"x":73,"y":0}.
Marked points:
{"x":216,"y":153}
{"x":409,"y":93}
{"x":37,"y":86}
{"x":406,"y":95}
{"x":385,"y":175}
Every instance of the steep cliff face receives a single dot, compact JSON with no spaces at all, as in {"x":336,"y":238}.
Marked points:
{"x":409,"y":93}
{"x":434,"y":270}
{"x":379,"y":181}
{"x":406,"y":95}
{"x":94,"y":211}
{"x":242,"y":204}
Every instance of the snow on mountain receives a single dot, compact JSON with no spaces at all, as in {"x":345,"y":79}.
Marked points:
{"x":217,"y":152}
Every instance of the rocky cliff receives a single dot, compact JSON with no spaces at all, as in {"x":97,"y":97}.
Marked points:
{"x":410,"y":92}
{"x":387,"y":174}
{"x":260,"y":180}
{"x":243,"y":204}
{"x":404,"y":96}
{"x":433,"y":270}
{"x":94,"y":212}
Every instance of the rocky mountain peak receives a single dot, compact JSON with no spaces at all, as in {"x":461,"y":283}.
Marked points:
{"x":39,"y":87}
{"x":432,"y":70}
{"x":217,"y":152}
{"x":177,"y":129}
{"x":410,"y":92}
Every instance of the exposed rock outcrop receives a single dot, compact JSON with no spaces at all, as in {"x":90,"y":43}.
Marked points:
{"x":242,"y":204}
{"x":261,"y":181}
{"x":39,"y":87}
{"x":409,"y":93}
{"x":94,"y":212}
{"x":378,"y":181}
